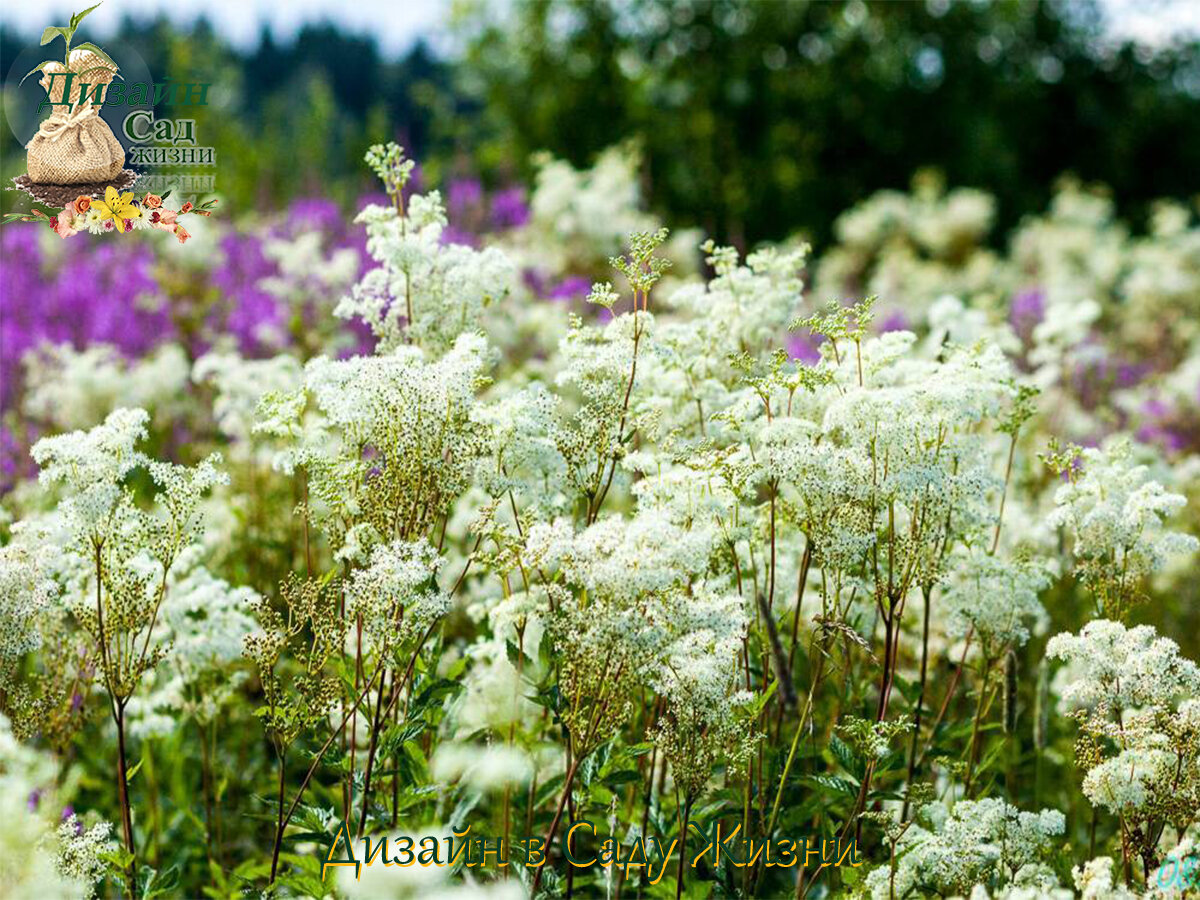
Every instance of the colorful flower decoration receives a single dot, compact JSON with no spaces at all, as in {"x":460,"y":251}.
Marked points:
{"x":117,"y":212}
{"x":118,"y":207}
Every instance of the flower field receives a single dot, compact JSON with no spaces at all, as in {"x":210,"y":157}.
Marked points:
{"x":471,"y":515}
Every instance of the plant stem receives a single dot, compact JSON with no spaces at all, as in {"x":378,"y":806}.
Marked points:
{"x":926,"y":595}
{"x":280,"y":821}
{"x":687,"y":812}
{"x":123,"y":795}
{"x":366,"y":797}
{"x":553,"y":830}
{"x":973,"y":747}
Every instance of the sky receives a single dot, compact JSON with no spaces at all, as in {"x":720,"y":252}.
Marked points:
{"x":398,"y":23}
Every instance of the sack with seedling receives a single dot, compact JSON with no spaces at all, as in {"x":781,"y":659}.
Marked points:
{"x":74,"y":145}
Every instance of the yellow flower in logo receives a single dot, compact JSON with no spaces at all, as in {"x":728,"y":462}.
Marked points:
{"x":117,"y":207}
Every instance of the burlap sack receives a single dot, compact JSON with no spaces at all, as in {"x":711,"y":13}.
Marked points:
{"x":74,"y":145}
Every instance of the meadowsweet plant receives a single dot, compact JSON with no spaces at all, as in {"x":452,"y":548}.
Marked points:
{"x":1133,"y":696}
{"x":1115,"y":514}
{"x":886,"y":544}
{"x":122,"y":548}
{"x":984,"y":843}
{"x":425,"y":291}
{"x":310,"y":627}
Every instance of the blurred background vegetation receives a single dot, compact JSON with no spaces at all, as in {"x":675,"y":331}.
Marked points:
{"x":756,"y":120}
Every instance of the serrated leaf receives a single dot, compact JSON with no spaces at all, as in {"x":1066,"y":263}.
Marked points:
{"x":159,"y":884}
{"x":844,"y":754}
{"x":834,"y":783}
{"x":119,"y":857}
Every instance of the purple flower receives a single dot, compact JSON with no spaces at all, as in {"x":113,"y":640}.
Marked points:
{"x":69,"y":811}
{"x":1168,"y":426}
{"x":314,"y":214}
{"x":453,"y":235}
{"x":248,"y":312}
{"x":804,"y":347}
{"x":15,"y":462}
{"x":895,"y":320}
{"x":101,"y":292}
{"x":463,"y":196}
{"x":1098,"y":373}
{"x":35,"y":797}
{"x":1027,"y":310}
{"x":573,"y":287}
{"x":535,"y":281}
{"x":509,"y":209}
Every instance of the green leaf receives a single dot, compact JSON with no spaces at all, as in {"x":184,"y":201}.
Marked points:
{"x":80,"y":16}
{"x":514,"y":654}
{"x":834,"y":783}
{"x":468,"y":803}
{"x":845,"y":755}
{"x":159,"y":884}
{"x":754,"y":707}
{"x":36,"y":68}
{"x":893,"y":761}
{"x":131,"y":772}
{"x":550,"y":789}
{"x":53,"y":31}
{"x":625,"y":776}
{"x":119,"y":857}
{"x":88,"y":45}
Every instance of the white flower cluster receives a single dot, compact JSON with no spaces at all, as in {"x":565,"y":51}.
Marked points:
{"x":910,"y":248}
{"x":396,"y":593}
{"x":425,"y":290}
{"x":204,"y":620}
{"x":28,"y":816}
{"x":1115,"y":514}
{"x":747,"y":305}
{"x":128,"y":550}
{"x":1097,"y":880}
{"x":1139,"y":694}
{"x":596,"y":207}
{"x":92,"y":466}
{"x":68,"y":388}
{"x":239,"y":384}
{"x":81,"y":850}
{"x":390,"y":443}
{"x":1119,"y":668}
{"x":26,"y":594}
{"x":981,"y":842}
{"x":997,"y":596}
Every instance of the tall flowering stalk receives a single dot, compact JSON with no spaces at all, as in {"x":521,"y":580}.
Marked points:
{"x":127,"y":551}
